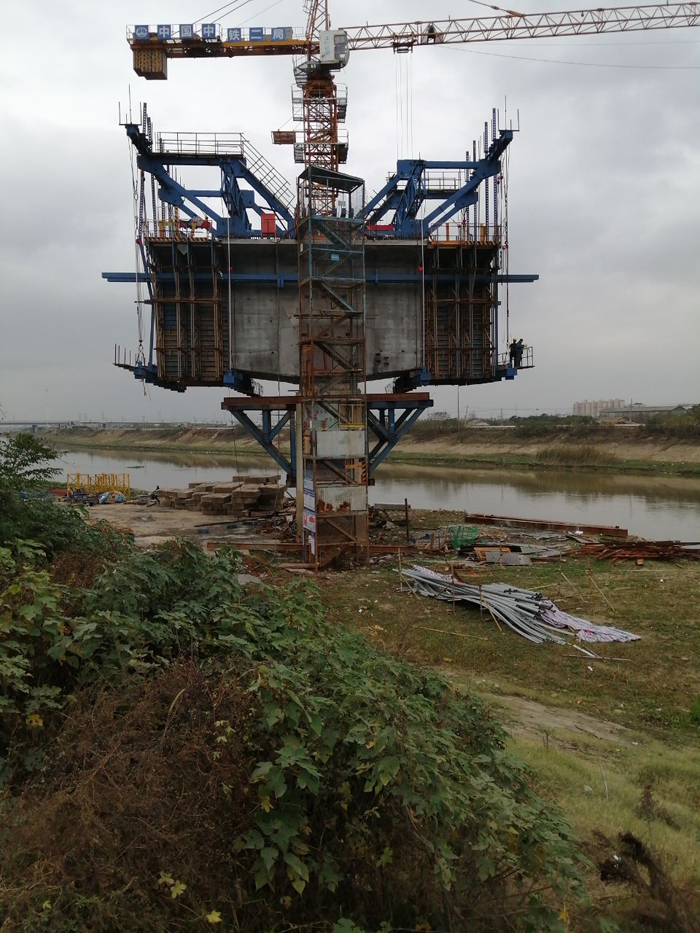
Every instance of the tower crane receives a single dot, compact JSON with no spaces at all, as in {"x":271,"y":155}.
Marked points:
{"x":434,"y":301}
{"x":323,"y":50}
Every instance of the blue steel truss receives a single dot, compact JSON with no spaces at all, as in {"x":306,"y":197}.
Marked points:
{"x":389,"y":417}
{"x":237,"y":160}
{"x":394,"y":208}
{"x":411,"y":186}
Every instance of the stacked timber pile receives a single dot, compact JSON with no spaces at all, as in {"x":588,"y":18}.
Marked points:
{"x":243,"y":495}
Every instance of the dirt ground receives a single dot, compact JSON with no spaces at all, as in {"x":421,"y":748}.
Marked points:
{"x":150,"y":524}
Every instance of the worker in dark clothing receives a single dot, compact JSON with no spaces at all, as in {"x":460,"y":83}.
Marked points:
{"x":512,"y":351}
{"x":431,"y":33}
{"x":519,"y":353}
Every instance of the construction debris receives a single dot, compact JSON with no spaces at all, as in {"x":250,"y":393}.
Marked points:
{"x":575,"y":528}
{"x":640,"y":551}
{"x":527,"y":613}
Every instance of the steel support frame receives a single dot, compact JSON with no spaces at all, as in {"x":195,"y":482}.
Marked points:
{"x":233,"y":169}
{"x":387,"y":428}
{"x":405,"y":202}
{"x":266,"y":434}
{"x":389,"y":418}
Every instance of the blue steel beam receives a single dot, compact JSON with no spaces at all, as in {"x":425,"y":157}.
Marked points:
{"x":232,"y":168}
{"x":467,"y":194}
{"x":405,"y":202}
{"x":266,"y":434}
{"x":269,"y":278}
{"x":388,"y":429}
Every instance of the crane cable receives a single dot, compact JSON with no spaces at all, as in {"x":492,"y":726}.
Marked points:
{"x":560,"y":61}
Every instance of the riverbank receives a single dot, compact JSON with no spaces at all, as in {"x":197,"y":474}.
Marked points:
{"x":618,"y":451}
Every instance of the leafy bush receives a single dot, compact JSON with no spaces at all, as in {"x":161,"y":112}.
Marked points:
{"x":25,"y":462}
{"x":178,"y":746}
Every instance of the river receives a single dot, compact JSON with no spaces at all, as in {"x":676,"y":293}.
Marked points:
{"x":658,"y":507}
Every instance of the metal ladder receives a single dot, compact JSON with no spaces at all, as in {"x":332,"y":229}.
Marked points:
{"x":266,"y":173}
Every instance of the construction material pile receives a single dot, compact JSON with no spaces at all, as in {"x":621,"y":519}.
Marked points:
{"x":527,"y":613}
{"x":245,"y":495}
{"x":640,"y":551}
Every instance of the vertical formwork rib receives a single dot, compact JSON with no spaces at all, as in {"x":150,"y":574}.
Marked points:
{"x":462,"y":301}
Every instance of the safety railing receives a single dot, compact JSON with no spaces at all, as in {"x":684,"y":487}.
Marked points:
{"x":299,"y":97}
{"x":178,"y":230}
{"x":235,"y":145}
{"x":519,"y":358}
{"x":193,"y":143}
{"x":485,"y":234}
{"x":443,"y":181}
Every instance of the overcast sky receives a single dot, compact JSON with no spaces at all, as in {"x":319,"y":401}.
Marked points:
{"x":604,"y":192}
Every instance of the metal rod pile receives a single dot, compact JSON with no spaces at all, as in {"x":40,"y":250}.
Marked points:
{"x":527,"y":613}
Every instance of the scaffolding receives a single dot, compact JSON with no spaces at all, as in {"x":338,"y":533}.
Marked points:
{"x":460,"y":325}
{"x":331,"y":422}
{"x":98,"y":482}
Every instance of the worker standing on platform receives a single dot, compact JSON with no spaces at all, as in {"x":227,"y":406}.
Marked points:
{"x":513,"y":351}
{"x":519,"y":353}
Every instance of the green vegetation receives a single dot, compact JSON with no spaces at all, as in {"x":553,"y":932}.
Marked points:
{"x":574,"y":455}
{"x":434,"y":441}
{"x":614,"y":742}
{"x":176,"y":753}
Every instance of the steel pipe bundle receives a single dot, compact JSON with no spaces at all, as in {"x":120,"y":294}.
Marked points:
{"x":527,"y":613}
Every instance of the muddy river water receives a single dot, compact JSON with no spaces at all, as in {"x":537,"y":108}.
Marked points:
{"x":661,"y":507}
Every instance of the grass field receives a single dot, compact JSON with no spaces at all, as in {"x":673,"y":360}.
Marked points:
{"x":616,"y":743}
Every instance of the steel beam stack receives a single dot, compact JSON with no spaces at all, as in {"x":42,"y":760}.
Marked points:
{"x":332,"y":417}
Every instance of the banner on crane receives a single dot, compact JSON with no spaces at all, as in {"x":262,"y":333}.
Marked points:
{"x":186,"y":32}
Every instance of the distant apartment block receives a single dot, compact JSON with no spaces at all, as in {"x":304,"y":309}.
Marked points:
{"x":588,"y":409}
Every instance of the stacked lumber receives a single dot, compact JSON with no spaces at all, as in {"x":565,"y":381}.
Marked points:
{"x":639,"y":551}
{"x":243,"y":495}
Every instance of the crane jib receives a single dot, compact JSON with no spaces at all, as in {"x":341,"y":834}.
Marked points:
{"x":214,"y":40}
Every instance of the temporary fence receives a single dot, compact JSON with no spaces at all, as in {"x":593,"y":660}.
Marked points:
{"x":527,"y":613}
{"x":98,"y":482}
{"x":462,"y":535}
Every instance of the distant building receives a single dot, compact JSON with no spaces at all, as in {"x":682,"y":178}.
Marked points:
{"x":588,"y":409}
{"x":638,"y":414}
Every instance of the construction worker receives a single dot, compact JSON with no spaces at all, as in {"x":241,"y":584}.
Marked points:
{"x":519,"y":353}
{"x":512,"y":351}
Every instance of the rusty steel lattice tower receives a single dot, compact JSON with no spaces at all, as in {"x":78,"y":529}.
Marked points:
{"x":331,"y":422}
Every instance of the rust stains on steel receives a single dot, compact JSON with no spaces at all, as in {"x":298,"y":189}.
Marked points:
{"x":609,"y":530}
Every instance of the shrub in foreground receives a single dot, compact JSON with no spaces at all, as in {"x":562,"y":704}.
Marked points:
{"x":179,"y":754}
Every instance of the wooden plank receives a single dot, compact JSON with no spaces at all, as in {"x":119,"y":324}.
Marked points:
{"x":543,"y":525}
